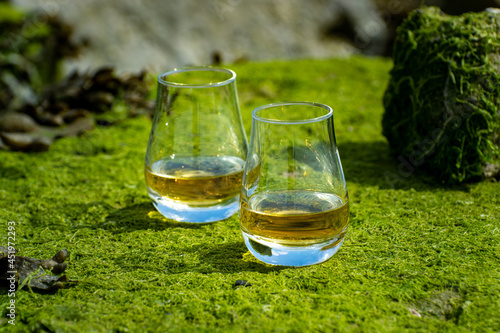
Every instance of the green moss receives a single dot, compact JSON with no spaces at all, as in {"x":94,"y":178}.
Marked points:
{"x":9,"y":14}
{"x":443,"y":97}
{"x":139,"y":272}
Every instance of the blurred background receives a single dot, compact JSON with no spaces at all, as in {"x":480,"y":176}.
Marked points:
{"x":67,"y":66}
{"x":132,"y":35}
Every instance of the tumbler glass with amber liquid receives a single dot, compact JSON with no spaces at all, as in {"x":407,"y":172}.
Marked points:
{"x":294,"y":205}
{"x":197,"y":146}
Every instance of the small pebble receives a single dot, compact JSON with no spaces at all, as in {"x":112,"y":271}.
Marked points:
{"x":242,"y":283}
{"x":414,"y":312}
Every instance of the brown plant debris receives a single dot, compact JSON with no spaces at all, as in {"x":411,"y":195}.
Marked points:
{"x":36,"y":107}
{"x":66,"y":108}
{"x":29,"y":273}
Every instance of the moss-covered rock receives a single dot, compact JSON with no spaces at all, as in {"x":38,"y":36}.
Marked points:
{"x":442,"y":103}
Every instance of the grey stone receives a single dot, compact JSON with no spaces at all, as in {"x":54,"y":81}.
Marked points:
{"x":161,"y":34}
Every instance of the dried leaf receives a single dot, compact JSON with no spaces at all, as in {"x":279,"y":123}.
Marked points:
{"x":76,"y":128}
{"x":17,"y":122}
{"x":26,"y":141}
{"x":35,"y":274}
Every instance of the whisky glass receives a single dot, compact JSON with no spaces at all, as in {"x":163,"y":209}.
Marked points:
{"x":197,"y":146}
{"x":294,"y":206}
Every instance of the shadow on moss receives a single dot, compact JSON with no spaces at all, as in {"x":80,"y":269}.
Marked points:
{"x":371,"y":164}
{"x":12,"y":172}
{"x":142,"y":216}
{"x":228,"y":258}
{"x":206,"y":258}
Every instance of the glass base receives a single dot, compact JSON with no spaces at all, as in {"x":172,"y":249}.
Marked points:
{"x":185,"y":213}
{"x":276,"y":254}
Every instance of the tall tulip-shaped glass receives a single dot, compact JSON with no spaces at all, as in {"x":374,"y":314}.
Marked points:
{"x":197,"y":146}
{"x":294,"y":206}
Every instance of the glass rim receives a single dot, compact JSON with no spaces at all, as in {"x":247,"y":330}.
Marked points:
{"x":197,"y":69}
{"x":290,"y":122}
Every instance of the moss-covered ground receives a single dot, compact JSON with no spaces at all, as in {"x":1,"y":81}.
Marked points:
{"x":417,"y":257}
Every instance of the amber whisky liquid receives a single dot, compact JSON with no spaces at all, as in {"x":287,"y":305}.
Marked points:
{"x":295,"y":218}
{"x":196,"y":181}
